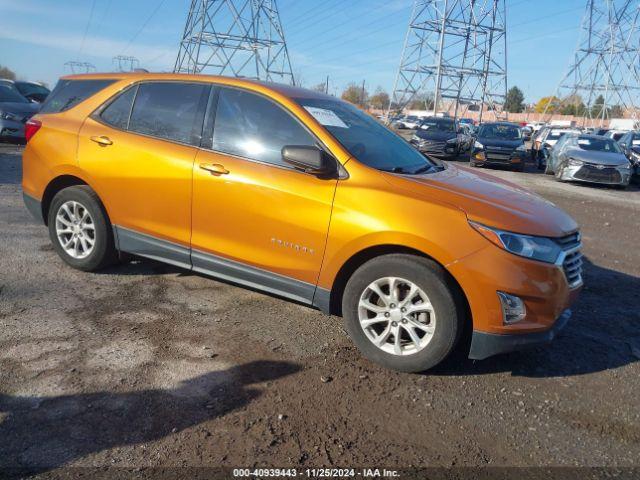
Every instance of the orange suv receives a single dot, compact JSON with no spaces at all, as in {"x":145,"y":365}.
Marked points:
{"x":305,"y":197}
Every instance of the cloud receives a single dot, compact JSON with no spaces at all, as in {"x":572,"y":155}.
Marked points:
{"x":93,"y":46}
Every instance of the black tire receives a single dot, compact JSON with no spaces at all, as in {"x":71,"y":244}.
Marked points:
{"x":104,"y":252}
{"x":443,"y":295}
{"x":472,"y":163}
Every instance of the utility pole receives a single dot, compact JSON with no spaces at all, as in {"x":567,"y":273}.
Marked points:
{"x":454,"y":50}
{"x":605,"y":63}
{"x":362,"y":95}
{"x":80,"y":67}
{"x":125,"y":63}
{"x":241,"y":38}
{"x":326,"y":86}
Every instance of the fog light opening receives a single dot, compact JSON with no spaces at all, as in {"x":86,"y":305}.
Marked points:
{"x":513,"y":308}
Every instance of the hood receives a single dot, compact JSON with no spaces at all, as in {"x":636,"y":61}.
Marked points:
{"x":435,"y":135}
{"x":496,"y":142}
{"x":489,"y":200}
{"x":602,"y":158}
{"x":19,"y":108}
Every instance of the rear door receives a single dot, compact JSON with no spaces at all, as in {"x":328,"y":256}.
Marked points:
{"x":139,"y":151}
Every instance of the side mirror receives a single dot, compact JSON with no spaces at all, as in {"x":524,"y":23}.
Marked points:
{"x":309,"y":159}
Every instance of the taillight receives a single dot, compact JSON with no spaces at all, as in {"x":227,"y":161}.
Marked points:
{"x":31,"y":128}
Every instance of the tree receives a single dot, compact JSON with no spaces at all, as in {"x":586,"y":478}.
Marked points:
{"x":6,"y":72}
{"x":321,"y":87}
{"x":355,"y":94}
{"x":550,"y":104}
{"x":514,"y":102}
{"x":598,"y":107}
{"x":422,"y":101}
{"x":380,"y":99}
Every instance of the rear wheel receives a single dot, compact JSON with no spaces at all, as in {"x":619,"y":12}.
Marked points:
{"x":402,"y":312}
{"x":79,"y":229}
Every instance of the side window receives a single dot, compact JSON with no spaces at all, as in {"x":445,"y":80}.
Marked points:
{"x":170,"y":110}
{"x":69,"y":93}
{"x":118,"y":111}
{"x":250,"y":126}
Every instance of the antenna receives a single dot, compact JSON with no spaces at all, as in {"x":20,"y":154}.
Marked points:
{"x":454,"y":57}
{"x":242,"y":38}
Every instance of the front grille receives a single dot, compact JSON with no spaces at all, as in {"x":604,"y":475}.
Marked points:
{"x":591,"y":173}
{"x":498,"y":154}
{"x":572,"y":263}
{"x":433,"y":146}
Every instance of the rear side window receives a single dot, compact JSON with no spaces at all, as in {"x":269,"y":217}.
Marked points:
{"x":118,"y":111}
{"x":69,"y":93}
{"x":170,"y":110}
{"x":250,"y":126}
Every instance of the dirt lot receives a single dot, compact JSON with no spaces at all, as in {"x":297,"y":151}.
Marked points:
{"x":146,"y":365}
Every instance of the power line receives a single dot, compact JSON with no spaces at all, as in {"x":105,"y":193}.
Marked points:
{"x":86,"y":29}
{"x":144,"y":25}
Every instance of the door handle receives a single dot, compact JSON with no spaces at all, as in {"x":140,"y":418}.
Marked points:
{"x":102,"y":140}
{"x":214,"y":168}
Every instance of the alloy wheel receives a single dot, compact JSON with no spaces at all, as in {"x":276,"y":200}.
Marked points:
{"x":397,"y":316}
{"x":75,"y":229}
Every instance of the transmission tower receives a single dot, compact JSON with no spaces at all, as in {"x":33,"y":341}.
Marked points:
{"x":454,"y":57}
{"x":124,"y":63}
{"x":242,"y":38}
{"x":80,"y":67}
{"x":603,"y":79}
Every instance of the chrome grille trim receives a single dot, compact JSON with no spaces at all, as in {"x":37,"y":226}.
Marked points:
{"x":571,"y":259}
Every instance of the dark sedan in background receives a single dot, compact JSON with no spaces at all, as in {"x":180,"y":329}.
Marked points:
{"x":589,"y":158}
{"x":15,"y":110}
{"x":630,"y":144}
{"x":499,"y":143}
{"x":440,"y":137}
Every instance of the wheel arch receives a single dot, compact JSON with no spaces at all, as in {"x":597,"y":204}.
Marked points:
{"x":53,"y":187}
{"x":361,"y":257}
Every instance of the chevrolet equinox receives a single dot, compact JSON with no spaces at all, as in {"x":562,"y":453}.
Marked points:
{"x":303,"y":196}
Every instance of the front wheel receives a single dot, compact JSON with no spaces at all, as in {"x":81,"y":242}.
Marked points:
{"x":80,"y":230}
{"x":402,"y":312}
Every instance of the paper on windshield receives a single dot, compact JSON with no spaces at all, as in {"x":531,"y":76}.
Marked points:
{"x":328,"y":118}
{"x":584,"y":141}
{"x":636,"y":142}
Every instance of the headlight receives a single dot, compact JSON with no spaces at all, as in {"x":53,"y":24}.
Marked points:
{"x":477,"y":144}
{"x":9,"y":116}
{"x":452,"y":141}
{"x":625,"y":166}
{"x":416,"y":138}
{"x":521,"y":148}
{"x":536,"y":248}
{"x":575,"y":163}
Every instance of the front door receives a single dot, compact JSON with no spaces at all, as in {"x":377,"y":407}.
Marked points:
{"x":256,"y":220}
{"x":139,"y":152}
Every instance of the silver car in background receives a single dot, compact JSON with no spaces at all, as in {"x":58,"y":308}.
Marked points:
{"x":589,"y":158}
{"x":15,"y":110}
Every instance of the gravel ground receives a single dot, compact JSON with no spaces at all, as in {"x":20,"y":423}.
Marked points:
{"x":146,"y":365}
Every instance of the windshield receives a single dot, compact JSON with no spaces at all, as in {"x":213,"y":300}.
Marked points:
{"x":8,"y":94}
{"x":31,"y":88}
{"x":501,"y":132}
{"x":438,"y":126}
{"x":597,"y":144}
{"x":370,"y":142}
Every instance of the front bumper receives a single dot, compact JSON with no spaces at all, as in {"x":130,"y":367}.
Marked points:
{"x":593,"y":174}
{"x":439,"y":149}
{"x":514,"y":157}
{"x":485,"y":345}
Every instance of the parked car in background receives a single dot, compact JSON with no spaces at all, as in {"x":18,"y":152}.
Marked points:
{"x":589,"y":158}
{"x":15,"y":110}
{"x":630,"y":145}
{"x":439,"y":137}
{"x":359,"y":224}
{"x":499,"y":143}
{"x":33,"y":91}
{"x":410,"y":122}
{"x":616,"y":135}
{"x":545,"y":143}
{"x":466,"y":121}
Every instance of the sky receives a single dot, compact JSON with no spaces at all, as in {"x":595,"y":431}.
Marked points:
{"x":348,"y":40}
